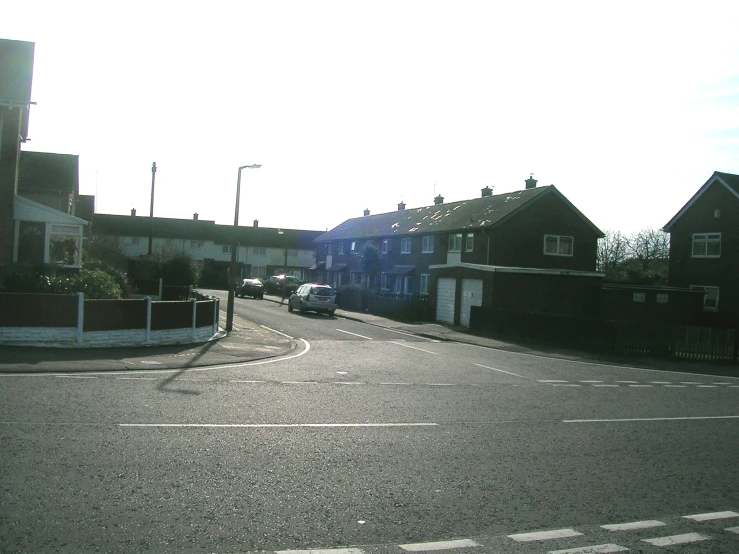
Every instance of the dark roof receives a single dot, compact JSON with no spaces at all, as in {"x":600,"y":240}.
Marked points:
{"x":43,"y":171}
{"x":728,"y":180}
{"x":16,"y":76}
{"x":401,"y":270}
{"x":199,"y":229}
{"x":487,"y":211}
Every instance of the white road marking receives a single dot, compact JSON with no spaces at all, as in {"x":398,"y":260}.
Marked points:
{"x":660,"y":382}
{"x":677,"y":539}
{"x":565,"y":384}
{"x":551,"y":381}
{"x":439,"y":545}
{"x":641,"y":385}
{"x":648,"y":419}
{"x":711,"y":516}
{"x":323,"y":551}
{"x":595,"y":549}
{"x":732,"y":530}
{"x":396,"y":383}
{"x":413,"y":347}
{"x":545,"y":535}
{"x":138,"y":378}
{"x":300,"y":382}
{"x":721,"y":383}
{"x":275,"y":425}
{"x":607,"y":386}
{"x":411,"y":335}
{"x":675,"y":386}
{"x":648,"y":524}
{"x":501,"y":371}
{"x":627,"y":382}
{"x":349,"y":383}
{"x":276,"y":331}
{"x":584,"y":381}
{"x":441,"y":384}
{"x":689,"y":383}
{"x":706,"y":387}
{"x":75,"y":377}
{"x":355,"y":334}
{"x":239,"y":381}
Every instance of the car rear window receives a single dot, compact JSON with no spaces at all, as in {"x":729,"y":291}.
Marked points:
{"x":322,"y":291}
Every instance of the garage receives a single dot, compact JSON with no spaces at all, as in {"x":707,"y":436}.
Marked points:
{"x":446,"y":289}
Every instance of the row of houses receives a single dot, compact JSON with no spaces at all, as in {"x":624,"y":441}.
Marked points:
{"x":528,"y":250}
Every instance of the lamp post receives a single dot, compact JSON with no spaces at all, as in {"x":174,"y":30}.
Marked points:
{"x":234,"y":246}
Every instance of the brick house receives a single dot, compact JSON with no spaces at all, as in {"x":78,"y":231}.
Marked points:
{"x":704,"y":240}
{"x":532,"y":228}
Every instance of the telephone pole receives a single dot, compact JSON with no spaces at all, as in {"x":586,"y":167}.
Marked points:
{"x":151,"y":209}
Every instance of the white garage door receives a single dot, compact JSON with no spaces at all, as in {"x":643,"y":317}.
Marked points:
{"x":471,"y":296}
{"x":446,"y":288}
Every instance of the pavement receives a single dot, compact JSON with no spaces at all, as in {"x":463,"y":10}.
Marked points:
{"x":250,"y":342}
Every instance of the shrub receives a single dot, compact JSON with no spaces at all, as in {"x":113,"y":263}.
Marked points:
{"x":95,"y":283}
{"x":180,"y":270}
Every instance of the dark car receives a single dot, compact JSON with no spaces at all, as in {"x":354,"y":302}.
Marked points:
{"x":250,"y":287}
{"x":276,"y":283}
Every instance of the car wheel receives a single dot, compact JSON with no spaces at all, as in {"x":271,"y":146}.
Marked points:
{"x":289,"y":306}
{"x":331,"y":313}
{"x":260,"y":297}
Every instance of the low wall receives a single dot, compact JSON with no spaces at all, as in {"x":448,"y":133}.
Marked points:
{"x":104,"y":323}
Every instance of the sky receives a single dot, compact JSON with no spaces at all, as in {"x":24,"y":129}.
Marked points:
{"x":626,"y":107}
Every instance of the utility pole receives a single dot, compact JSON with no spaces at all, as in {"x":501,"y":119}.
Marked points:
{"x":151,"y":209}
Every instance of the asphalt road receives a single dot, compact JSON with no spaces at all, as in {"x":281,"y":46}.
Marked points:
{"x":371,"y":439}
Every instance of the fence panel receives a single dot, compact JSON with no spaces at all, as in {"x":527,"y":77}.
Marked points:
{"x":205,"y":313}
{"x":171,"y":315}
{"x":114,"y":315}
{"x":703,"y":343}
{"x":38,"y":310}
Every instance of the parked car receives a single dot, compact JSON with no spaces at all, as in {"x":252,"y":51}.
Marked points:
{"x":250,"y":287}
{"x":313,"y":297}
{"x":275,"y":284}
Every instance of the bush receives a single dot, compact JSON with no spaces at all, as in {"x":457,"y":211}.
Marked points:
{"x":180,"y":270}
{"x":95,"y":283}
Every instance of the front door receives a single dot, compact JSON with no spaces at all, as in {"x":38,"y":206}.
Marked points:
{"x":471,"y":296}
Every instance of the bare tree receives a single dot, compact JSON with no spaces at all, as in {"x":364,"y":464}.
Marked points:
{"x":612,"y":251}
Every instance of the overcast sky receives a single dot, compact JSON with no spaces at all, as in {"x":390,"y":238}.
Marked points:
{"x":627,"y":107}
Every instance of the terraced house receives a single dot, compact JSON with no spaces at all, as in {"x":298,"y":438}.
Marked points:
{"x":513,"y":233}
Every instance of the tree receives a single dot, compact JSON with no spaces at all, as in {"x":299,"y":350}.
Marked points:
{"x":180,"y":269}
{"x":612,"y":252}
{"x":642,"y":258}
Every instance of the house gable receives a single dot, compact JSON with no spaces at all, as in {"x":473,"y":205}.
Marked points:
{"x":726,"y":180}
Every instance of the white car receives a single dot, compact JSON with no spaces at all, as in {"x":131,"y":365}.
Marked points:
{"x":313,"y":297}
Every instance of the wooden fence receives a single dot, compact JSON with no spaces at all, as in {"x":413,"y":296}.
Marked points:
{"x":616,"y":337}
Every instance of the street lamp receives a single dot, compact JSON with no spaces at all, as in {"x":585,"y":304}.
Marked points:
{"x":234,"y":247}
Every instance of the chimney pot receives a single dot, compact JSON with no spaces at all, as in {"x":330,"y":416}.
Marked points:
{"x":439,"y":200}
{"x":487,"y":191}
{"x":256,"y":223}
{"x":195,"y":216}
{"x":133,"y":212}
{"x":531,"y":182}
{"x":366,"y":212}
{"x":401,"y":206}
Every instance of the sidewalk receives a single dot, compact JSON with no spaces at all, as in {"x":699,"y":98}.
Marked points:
{"x":249,"y":342}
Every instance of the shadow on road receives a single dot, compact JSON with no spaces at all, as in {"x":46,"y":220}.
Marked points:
{"x":165,"y":384}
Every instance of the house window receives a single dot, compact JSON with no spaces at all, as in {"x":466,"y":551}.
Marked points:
{"x":341,"y":248}
{"x":328,"y":249}
{"x":226,"y":249}
{"x":469,"y":243}
{"x":197,"y":243}
{"x":556,"y":245}
{"x":259,"y":250}
{"x":706,"y":245}
{"x":292,"y":253}
{"x":455,"y":243}
{"x":405,"y":245}
{"x":407,"y":285}
{"x":385,"y":246}
{"x":424,"y":290}
{"x":427,"y":247}
{"x":31,"y":242}
{"x":354,"y":247}
{"x":64,"y":245}
{"x":710,"y":298}
{"x":356,"y":278}
{"x":398,"y":285}
{"x":383,"y":281}
{"x":260,"y":271}
{"x":135,"y":241}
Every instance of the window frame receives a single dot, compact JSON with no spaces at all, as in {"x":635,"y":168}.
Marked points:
{"x":385,"y":246}
{"x":341,"y":249}
{"x":559,"y":245}
{"x":703,"y":238}
{"x":405,"y":242}
{"x":423,"y":288}
{"x":707,"y":289}
{"x":427,"y":244}
{"x":469,"y":242}
{"x":455,"y":242}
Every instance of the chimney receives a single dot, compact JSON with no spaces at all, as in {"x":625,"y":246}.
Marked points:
{"x":195,"y":216}
{"x":401,"y":206}
{"x":531,"y":182}
{"x":487,"y":191}
{"x":133,"y":212}
{"x":256,"y":223}
{"x":366,"y":212}
{"x":439,"y":200}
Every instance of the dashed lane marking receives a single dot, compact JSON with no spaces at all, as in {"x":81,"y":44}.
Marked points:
{"x":500,"y":370}
{"x":413,"y":347}
{"x":677,"y":539}
{"x":276,"y":425}
{"x":545,"y":535}
{"x":355,"y":334}
{"x":648,"y":524}
{"x":595,"y":549}
{"x":626,"y":420}
{"x":711,"y":516}
{"x":552,"y":381}
{"x":732,"y":530}
{"x":439,"y":545}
